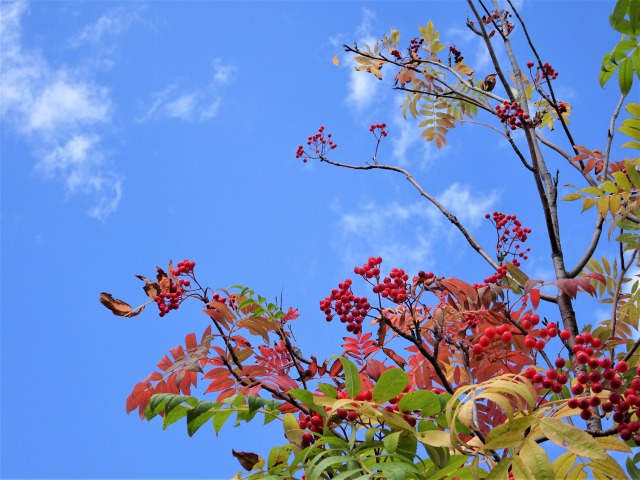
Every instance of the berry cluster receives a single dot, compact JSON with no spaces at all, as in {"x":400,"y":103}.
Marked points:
{"x":530,"y":340}
{"x":499,"y":333}
{"x":511,"y":114}
{"x":562,"y":107}
{"x":496,"y":17}
{"x":396,"y":53}
{"x":351,"y":310}
{"x":510,"y":231}
{"x":394,"y":286}
{"x":370,"y":269}
{"x":170,"y":300}
{"x":378,"y":130}
{"x":319,"y":143}
{"x":457,"y":56}
{"x":549,"y":71}
{"x":415,"y":44}
{"x":185,"y":267}
{"x":530,"y":64}
{"x":311,"y":422}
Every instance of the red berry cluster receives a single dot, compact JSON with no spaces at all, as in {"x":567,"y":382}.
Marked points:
{"x":549,"y":71}
{"x":530,"y":64}
{"x":394,"y":286}
{"x":510,"y":231}
{"x":351,"y":310}
{"x":319,"y":143}
{"x":184,"y":268}
{"x":499,"y":333}
{"x":496,"y":277}
{"x":378,"y":130}
{"x":396,"y":54}
{"x":562,"y":107}
{"x":313,"y":423}
{"x":170,"y":300}
{"x":415,"y":44}
{"x":370,"y":269}
{"x":457,"y":55}
{"x":511,"y":114}
{"x":530,"y":340}
{"x":499,"y":20}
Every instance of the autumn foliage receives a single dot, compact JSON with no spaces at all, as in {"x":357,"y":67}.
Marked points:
{"x":439,"y":377}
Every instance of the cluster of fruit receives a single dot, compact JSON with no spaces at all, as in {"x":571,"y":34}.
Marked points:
{"x":511,"y":114}
{"x":167,"y":301}
{"x":350,"y":309}
{"x":320,"y":144}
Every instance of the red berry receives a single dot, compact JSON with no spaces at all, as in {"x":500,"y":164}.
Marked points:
{"x":565,"y":334}
{"x":622,"y":366}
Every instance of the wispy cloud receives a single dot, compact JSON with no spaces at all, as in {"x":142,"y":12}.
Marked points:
{"x":110,"y":24}
{"x":404,"y":233}
{"x":191,"y":105}
{"x":60,"y":112}
{"x":362,"y":87}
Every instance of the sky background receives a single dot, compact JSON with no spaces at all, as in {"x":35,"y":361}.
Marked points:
{"x":134,"y":133}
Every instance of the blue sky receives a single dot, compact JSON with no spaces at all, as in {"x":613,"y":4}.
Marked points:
{"x":135,"y":133}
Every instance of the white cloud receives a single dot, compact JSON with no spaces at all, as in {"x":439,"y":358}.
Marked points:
{"x":191,"y":105}
{"x":222,"y":73}
{"x":59,"y":111}
{"x":468,"y":206}
{"x":362,"y":87}
{"x":408,"y":147}
{"x":404,"y":233}
{"x":111,"y":24}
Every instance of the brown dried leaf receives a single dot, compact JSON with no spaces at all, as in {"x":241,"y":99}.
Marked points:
{"x":152,"y":289}
{"x":118,"y":307}
{"x":163,"y":280}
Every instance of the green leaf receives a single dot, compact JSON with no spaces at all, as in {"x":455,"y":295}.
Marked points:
{"x":572,"y":438}
{"x":391,"y":442}
{"x":328,"y":390}
{"x":619,"y":11}
{"x":423,"y":400}
{"x":351,"y":377}
{"x":314,"y":472}
{"x":198,"y":416}
{"x":632,"y":469}
{"x":455,"y":462}
{"x":176,"y":414}
{"x":632,"y":131}
{"x":505,"y":440}
{"x":609,"y":187}
{"x":634,"y":16}
{"x":220,"y":418}
{"x":390,"y":384}
{"x":632,"y":173}
{"x":625,"y":76}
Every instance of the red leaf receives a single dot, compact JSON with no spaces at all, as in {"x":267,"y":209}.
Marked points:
{"x":535,"y":298}
{"x":177,"y":352}
{"x":190,"y":341}
{"x":220,"y":384}
{"x":568,"y":286}
{"x":596,"y":276}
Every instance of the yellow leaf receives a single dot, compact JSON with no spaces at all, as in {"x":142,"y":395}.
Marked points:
{"x":536,"y":458}
{"x":603,"y":206}
{"x":335,"y":61}
{"x":506,"y":440}
{"x":612,"y":443}
{"x":435,"y":438}
{"x":609,"y":468}
{"x":572,"y":438}
{"x":521,"y":471}
{"x":563,"y":464}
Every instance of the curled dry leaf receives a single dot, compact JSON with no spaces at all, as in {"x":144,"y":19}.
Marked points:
{"x":152,"y":289}
{"x":118,"y":307}
{"x":246,"y":459}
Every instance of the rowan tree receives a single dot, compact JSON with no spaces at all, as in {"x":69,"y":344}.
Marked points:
{"x":443,"y":377}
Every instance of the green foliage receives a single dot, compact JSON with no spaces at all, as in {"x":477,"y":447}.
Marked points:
{"x":625,"y":57}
